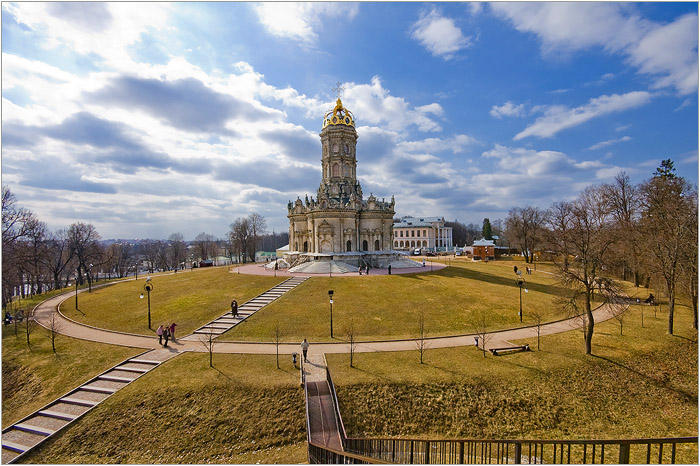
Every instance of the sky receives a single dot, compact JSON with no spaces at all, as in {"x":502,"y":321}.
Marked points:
{"x":147,"y":119}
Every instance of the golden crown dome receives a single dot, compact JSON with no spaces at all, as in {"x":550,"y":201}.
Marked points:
{"x":339,"y":116}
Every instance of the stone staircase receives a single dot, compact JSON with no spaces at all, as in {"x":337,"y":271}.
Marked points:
{"x":226,"y":322}
{"x":33,"y":430}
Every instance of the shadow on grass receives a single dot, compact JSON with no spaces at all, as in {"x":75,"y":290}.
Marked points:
{"x":461,"y":272}
{"x":373,"y":374}
{"x":690,"y":397}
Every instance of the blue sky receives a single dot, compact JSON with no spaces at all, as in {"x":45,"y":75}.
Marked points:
{"x":146,"y":119}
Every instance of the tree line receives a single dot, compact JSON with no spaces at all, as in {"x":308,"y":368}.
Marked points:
{"x":645,"y":233}
{"x":36,"y":259}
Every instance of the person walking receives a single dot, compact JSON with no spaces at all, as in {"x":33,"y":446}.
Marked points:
{"x":172,"y":331}
{"x":159,"y":332}
{"x":305,"y":348}
{"x":390,"y":269}
{"x":166,"y":335}
{"x":234,"y":308}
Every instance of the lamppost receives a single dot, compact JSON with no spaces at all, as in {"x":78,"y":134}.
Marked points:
{"x":148,"y":287}
{"x":90,"y":279}
{"x":520,"y":282}
{"x":77,"y":275}
{"x":330,"y":296}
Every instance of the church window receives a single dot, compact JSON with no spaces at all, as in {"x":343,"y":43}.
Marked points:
{"x":376,"y":245}
{"x":365,"y":246}
{"x":347,"y":149}
{"x":346,"y":170}
{"x":336,"y":149}
{"x":348,"y":246}
{"x":418,"y":233}
{"x":413,"y":233}
{"x":336,"y":170}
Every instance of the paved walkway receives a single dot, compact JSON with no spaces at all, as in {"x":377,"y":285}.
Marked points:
{"x":258,"y":269}
{"x":498,"y":339}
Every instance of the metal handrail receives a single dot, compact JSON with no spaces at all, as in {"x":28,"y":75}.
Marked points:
{"x":336,"y":407}
{"x":422,"y":451}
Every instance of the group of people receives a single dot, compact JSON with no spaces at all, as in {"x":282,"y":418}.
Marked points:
{"x":9,"y":318}
{"x":166,"y":332}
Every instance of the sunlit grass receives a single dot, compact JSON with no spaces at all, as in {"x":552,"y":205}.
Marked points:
{"x":388,"y":306}
{"x":244,"y":410}
{"x":33,"y":376}
{"x":189,"y":298}
{"x":643,"y":383}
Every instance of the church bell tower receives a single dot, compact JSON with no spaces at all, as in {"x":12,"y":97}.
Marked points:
{"x":338,"y":161}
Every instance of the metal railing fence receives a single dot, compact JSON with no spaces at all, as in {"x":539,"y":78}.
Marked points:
{"x":416,"y":451}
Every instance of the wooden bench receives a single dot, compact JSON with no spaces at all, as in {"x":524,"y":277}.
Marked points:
{"x":509,"y":349}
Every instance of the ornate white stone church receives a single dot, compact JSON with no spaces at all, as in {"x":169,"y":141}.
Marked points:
{"x":340,"y":229}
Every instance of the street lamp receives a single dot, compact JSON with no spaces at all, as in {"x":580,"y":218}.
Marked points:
{"x":520,"y":282}
{"x":330,"y":296}
{"x":77,"y":275}
{"x":90,"y":279}
{"x":148,"y":287}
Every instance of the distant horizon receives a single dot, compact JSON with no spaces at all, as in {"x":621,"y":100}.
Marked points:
{"x":147,"y":119}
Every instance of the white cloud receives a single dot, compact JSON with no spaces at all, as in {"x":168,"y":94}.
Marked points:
{"x":439,"y":35}
{"x":666,"y":52}
{"x":372,"y":103}
{"x":558,"y":118}
{"x":297,"y":21}
{"x":609,"y":142}
{"x":508,"y":109}
{"x":119,"y":26}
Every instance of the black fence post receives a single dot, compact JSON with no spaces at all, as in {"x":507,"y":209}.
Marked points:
{"x":518,"y":447}
{"x":624,"y":457}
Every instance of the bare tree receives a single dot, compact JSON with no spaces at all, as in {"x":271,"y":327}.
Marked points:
{"x":524,"y":228}
{"x":53,"y":329}
{"x":84,"y":244}
{"x":480,"y":325}
{"x":624,"y":200}
{"x":351,"y":335}
{"x":422,"y":344}
{"x":177,"y":250}
{"x":240,"y":237}
{"x":58,"y":255}
{"x":537,"y":317}
{"x":584,"y":234}
{"x":667,"y":224}
{"x":15,"y":226}
{"x":205,"y":245}
{"x":208,"y":339}
{"x":258,"y":227}
{"x":28,"y":323}
{"x":277,"y":336}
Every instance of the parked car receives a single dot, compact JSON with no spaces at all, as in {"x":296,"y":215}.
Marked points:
{"x":458,"y":253}
{"x":430,"y":254}
{"x":416,"y":252}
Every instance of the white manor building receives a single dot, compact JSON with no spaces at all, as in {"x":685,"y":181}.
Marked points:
{"x":424,"y":232}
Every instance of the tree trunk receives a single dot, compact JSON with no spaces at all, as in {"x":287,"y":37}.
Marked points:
{"x":694,"y":299}
{"x":671,"y":306}
{"x":589,"y":324}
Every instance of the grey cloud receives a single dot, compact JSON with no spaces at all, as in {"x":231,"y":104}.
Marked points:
{"x":94,"y":16}
{"x":116,"y":147}
{"x":295,"y":143}
{"x":271,"y":174}
{"x":185,"y":104}
{"x":52,"y":173}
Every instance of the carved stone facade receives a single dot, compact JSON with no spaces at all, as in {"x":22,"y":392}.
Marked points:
{"x":339,"y":220}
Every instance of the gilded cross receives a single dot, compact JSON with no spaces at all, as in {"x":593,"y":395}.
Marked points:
{"x":338,"y":89}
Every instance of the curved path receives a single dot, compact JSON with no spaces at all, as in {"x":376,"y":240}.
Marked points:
{"x":67,"y":327}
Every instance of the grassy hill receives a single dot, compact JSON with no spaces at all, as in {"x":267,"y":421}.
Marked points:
{"x":641,"y":384}
{"x":244,"y":410}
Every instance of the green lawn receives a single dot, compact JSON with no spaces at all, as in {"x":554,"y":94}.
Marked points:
{"x":244,"y":410}
{"x":189,"y":298}
{"x":641,"y":384}
{"x":389,"y":306}
{"x":32,"y":377}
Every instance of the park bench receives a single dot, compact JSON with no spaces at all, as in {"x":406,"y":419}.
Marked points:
{"x":509,"y":349}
